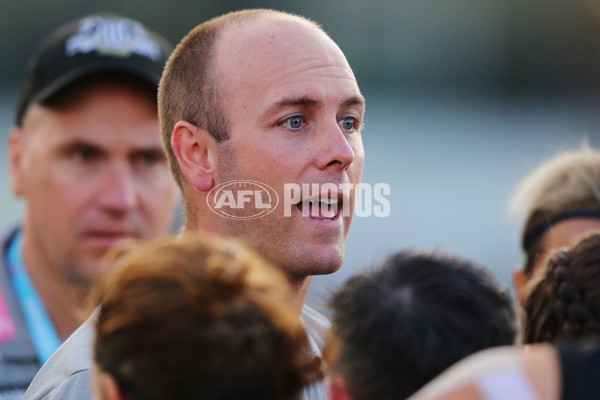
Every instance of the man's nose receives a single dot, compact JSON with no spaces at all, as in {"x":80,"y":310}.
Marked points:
{"x":118,"y":193}
{"x":335,"y":150}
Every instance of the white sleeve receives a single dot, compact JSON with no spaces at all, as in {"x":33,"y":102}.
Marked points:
{"x":493,"y":372}
{"x":511,"y":383}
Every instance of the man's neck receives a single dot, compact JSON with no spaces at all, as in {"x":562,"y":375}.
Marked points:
{"x":62,"y":299}
{"x":300,"y":286}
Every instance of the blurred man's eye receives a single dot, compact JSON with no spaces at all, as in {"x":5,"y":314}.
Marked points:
{"x":149,"y":158}
{"x":85,"y":154}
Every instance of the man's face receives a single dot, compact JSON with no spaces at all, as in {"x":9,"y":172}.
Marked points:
{"x":294,"y":111}
{"x":93,"y":172}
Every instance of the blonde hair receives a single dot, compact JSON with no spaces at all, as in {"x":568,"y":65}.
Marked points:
{"x":569,"y":178}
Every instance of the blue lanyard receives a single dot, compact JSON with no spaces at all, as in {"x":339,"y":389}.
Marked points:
{"x":45,"y":338}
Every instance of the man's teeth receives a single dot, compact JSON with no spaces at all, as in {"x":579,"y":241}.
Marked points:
{"x":320,"y":208}
{"x":329,"y":201}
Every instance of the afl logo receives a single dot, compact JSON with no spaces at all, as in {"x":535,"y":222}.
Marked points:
{"x":242,"y":199}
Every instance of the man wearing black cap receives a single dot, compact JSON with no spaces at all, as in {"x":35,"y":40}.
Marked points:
{"x":86,"y":156}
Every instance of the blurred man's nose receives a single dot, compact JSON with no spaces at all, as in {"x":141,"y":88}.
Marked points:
{"x":118,"y":193}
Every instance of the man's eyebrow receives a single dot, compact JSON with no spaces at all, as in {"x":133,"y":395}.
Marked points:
{"x":149,"y":148}
{"x":310,"y":102}
{"x":155,"y":151}
{"x":291,"y":101}
{"x":353,"y":101}
{"x":79,"y":144}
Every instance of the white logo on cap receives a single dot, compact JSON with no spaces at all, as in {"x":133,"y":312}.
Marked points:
{"x":116,"y":37}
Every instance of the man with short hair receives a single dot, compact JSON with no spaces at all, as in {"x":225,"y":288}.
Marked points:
{"x":86,"y":156}
{"x":272,"y":100}
{"x":261,"y":97}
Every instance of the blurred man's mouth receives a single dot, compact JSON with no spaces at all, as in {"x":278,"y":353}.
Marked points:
{"x":106,"y":238}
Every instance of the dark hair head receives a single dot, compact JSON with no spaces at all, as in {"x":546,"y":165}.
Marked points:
{"x":399,"y":326}
{"x":565,"y":303}
{"x":201,"y":318}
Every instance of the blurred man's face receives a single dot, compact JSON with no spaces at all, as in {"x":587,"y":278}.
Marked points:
{"x":93,"y":172}
{"x":563,"y":234}
{"x":294,"y":111}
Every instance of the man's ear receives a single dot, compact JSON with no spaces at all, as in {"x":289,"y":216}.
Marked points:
{"x":195,"y":149}
{"x":338,"y":389}
{"x":15,"y":150}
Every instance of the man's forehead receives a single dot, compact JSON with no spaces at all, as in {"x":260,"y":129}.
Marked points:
{"x":275,"y":53}
{"x":307,"y":101}
{"x":266,"y":27}
{"x":58,"y":127}
{"x":112,"y":148}
{"x":271,"y":40}
{"x":566,"y":233}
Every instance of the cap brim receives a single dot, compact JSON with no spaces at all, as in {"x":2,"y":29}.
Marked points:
{"x":109,"y":65}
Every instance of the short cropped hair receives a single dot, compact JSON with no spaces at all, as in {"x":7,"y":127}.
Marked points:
{"x":201,"y":318}
{"x":397,"y":327}
{"x":188,"y":90}
{"x":565,"y":303}
{"x":568,"y":182}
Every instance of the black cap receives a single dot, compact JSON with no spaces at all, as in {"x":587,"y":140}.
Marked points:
{"x":96,"y":43}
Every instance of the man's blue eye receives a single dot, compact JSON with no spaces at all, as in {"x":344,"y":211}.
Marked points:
{"x":348,"y":123}
{"x":295,"y":122}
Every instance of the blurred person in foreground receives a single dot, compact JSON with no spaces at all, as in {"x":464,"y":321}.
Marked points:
{"x":565,"y":303}
{"x":199,"y":317}
{"x":567,"y":371}
{"x":563,"y":308}
{"x":560,"y":202}
{"x":254,"y":96}
{"x":397,"y":327}
{"x":86,"y":157}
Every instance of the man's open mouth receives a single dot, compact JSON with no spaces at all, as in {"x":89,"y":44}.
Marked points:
{"x":323,"y":207}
